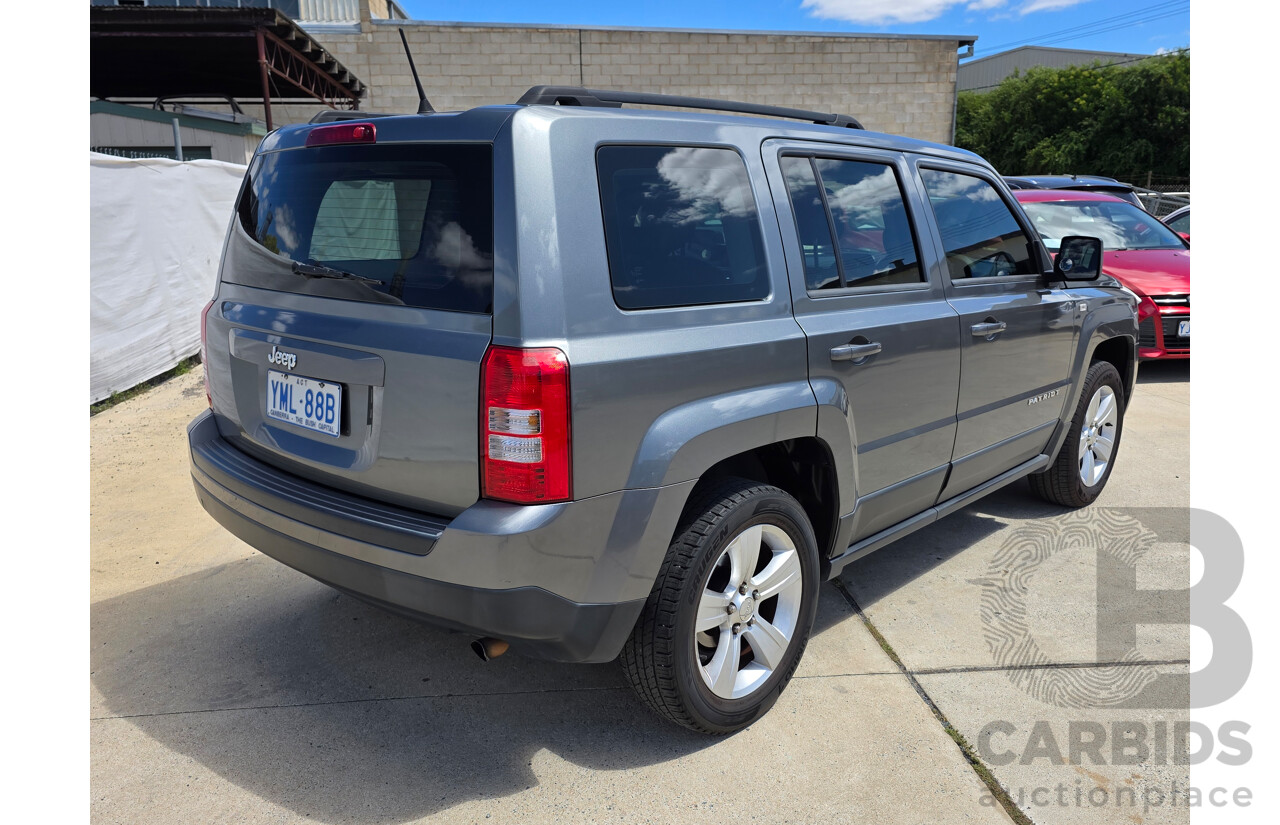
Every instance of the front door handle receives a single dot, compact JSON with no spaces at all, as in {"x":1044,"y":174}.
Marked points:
{"x":988,"y":329}
{"x":855,"y":352}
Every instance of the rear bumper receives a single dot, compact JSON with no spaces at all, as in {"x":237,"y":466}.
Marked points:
{"x":563,"y":582}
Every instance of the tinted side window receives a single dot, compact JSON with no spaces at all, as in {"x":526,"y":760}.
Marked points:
{"x":862,"y":204}
{"x":812,"y":225}
{"x":981,"y":236}
{"x":681,"y":226}
{"x":872,"y":228}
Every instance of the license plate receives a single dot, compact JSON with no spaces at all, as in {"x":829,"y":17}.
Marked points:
{"x":1184,"y":329}
{"x":305,"y":402}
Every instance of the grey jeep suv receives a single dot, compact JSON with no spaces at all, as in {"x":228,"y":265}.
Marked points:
{"x":599,"y":382}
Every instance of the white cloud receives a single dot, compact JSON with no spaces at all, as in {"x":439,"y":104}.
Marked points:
{"x":1048,"y":5}
{"x":917,"y":11}
{"x":456,"y":250}
{"x":879,"y":11}
{"x":710,"y":183}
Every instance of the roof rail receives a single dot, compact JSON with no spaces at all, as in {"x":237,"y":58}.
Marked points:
{"x":578,"y":96}
{"x":330,"y":115}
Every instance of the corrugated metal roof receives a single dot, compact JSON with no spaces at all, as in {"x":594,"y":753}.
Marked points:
{"x":987,"y":72}
{"x":346,"y":11}
{"x":156,"y":52}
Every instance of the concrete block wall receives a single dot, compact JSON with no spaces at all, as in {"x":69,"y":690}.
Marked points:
{"x":463,"y":67}
{"x":902,"y":86}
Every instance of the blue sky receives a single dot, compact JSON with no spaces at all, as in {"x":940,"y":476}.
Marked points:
{"x":1138,"y":26}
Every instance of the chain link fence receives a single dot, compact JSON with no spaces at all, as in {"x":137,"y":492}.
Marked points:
{"x":1160,"y":194}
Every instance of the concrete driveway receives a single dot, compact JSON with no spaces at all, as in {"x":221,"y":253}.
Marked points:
{"x":228,"y":688}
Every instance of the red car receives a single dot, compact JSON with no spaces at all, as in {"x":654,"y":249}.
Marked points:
{"x":1139,"y":251}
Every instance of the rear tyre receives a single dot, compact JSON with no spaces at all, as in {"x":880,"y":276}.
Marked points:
{"x":1083,"y":465}
{"x":730,"y":613}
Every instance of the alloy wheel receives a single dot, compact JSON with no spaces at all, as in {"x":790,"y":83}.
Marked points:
{"x":749,"y":611}
{"x":1098,"y":435}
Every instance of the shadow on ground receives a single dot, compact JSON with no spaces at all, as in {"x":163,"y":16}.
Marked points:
{"x":339,"y":711}
{"x":1164,"y":372}
{"x":249,"y":636}
{"x":888,"y":569}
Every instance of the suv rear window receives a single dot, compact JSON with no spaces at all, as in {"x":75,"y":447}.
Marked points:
{"x":415,"y":220}
{"x":681,"y":227}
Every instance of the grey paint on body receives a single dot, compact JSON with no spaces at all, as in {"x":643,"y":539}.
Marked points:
{"x":658,"y":396}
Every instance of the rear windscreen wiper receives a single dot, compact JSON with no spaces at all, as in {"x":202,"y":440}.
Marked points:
{"x":322,"y":271}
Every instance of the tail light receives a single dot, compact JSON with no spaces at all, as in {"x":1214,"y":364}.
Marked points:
{"x":1146,"y":308}
{"x":204,"y":350}
{"x":524,"y":426}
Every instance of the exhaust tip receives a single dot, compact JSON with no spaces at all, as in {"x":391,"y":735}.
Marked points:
{"x":488,"y":648}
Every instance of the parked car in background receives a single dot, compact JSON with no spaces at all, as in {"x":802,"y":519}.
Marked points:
{"x":1179,"y":221}
{"x":1142,"y":253}
{"x":1084,"y":183}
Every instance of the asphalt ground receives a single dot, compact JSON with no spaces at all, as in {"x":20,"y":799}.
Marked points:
{"x":228,"y":688}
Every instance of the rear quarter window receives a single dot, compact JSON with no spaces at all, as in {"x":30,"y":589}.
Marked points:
{"x":681,"y":226}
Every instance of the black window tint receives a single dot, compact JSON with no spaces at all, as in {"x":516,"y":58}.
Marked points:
{"x":872,"y":228}
{"x":981,"y":236}
{"x":414,"y":222}
{"x":812,"y":225}
{"x":681,"y":227}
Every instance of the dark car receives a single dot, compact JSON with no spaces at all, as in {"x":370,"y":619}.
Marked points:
{"x":1086,"y":183}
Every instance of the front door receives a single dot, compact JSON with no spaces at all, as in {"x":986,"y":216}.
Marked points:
{"x":883,"y":341}
{"x":1017,"y":332}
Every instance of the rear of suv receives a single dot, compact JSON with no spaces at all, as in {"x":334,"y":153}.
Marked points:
{"x":602,"y":383}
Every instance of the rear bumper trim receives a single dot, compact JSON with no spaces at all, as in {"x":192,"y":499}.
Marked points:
{"x":536,"y":622}
{"x":297,"y":499}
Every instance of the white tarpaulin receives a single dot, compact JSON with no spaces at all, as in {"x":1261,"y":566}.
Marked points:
{"x":155,"y":237}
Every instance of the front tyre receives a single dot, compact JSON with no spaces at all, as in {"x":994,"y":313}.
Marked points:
{"x":730,"y":613}
{"x":1088,"y":454}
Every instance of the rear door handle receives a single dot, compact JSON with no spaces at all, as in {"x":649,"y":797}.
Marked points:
{"x":989,"y":328}
{"x":855,"y":352}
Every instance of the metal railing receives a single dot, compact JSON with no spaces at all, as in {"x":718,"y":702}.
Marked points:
{"x":1160,"y":201}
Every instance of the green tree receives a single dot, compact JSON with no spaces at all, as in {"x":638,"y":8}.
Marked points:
{"x":1102,"y":120}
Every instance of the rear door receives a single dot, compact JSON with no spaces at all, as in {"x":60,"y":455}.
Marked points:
{"x":353,"y":315}
{"x":1017,"y":333}
{"x":883,"y":341}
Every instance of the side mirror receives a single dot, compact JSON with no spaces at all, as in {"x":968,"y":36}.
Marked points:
{"x":1079,"y":259}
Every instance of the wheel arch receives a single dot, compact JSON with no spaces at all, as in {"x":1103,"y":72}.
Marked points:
{"x":802,"y":467}
{"x":1119,"y":351}
{"x":1109,"y":333}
